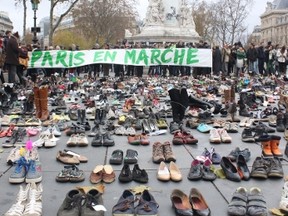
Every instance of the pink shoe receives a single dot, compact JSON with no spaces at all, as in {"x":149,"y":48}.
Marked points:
{"x":33,"y":131}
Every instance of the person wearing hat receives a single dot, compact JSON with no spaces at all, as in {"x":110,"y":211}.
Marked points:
{"x":12,"y":56}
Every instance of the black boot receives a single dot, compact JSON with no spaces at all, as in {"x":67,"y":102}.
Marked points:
{"x":102,"y":116}
{"x":79,"y":117}
{"x":175,"y":104}
{"x":243,"y":110}
{"x":97,"y":117}
{"x":196,"y":102}
{"x":184,"y":102}
{"x":85,"y":123}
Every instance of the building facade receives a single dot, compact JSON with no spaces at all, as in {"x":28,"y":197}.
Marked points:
{"x":274,"y":22}
{"x":5,"y":22}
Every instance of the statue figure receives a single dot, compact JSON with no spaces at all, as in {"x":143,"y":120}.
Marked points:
{"x":128,"y":33}
{"x":186,"y":17}
{"x":154,"y":13}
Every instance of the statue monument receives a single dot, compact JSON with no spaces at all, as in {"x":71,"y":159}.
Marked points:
{"x":167,"y":21}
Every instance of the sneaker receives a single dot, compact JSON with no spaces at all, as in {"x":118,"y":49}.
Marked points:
{"x":97,"y":140}
{"x":247,"y":135}
{"x":34,"y":205}
{"x":233,"y":155}
{"x":259,"y":168}
{"x":147,"y":205}
{"x":19,"y":174}
{"x":131,"y":157}
{"x":72,"y":141}
{"x":225,"y":138}
{"x":174,"y":127}
{"x":139,"y":175}
{"x":19,"y":206}
{"x":275,"y":168}
{"x":14,"y":155}
{"x":214,"y":136}
{"x":125,"y":205}
{"x":82,"y":140}
{"x":34,"y":173}
{"x":204,"y":128}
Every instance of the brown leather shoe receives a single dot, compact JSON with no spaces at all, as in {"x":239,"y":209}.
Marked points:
{"x":198,"y":203}
{"x":158,"y":152}
{"x":97,"y":174}
{"x":108,"y":175}
{"x":67,"y":158}
{"x":168,"y":153}
{"x":180,"y":203}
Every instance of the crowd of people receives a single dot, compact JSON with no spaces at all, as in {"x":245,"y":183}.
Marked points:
{"x":230,"y":60}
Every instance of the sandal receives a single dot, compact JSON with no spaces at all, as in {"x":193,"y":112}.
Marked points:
{"x":256,"y":203}
{"x":237,"y":206}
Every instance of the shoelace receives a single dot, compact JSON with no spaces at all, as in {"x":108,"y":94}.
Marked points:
{"x":16,"y":209}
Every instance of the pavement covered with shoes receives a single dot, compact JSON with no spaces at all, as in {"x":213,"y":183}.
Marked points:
{"x":206,"y":146}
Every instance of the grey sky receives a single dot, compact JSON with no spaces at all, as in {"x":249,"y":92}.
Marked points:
{"x":16,"y":13}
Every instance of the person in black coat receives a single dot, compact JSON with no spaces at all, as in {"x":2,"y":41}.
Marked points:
{"x":261,"y":58}
{"x":252,"y":55}
{"x":12,"y":55}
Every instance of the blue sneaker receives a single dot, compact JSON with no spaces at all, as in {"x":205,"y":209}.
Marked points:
{"x":34,"y":173}
{"x":18,"y":176}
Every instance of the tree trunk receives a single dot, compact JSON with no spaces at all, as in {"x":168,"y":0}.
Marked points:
{"x":24,"y":17}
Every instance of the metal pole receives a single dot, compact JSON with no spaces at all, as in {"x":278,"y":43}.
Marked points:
{"x":35,"y":39}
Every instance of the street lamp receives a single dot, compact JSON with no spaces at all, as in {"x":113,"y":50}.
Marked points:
{"x":35,"y":8}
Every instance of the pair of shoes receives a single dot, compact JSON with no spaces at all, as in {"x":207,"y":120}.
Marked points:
{"x":195,"y":204}
{"x":102,"y":173}
{"x":165,"y":174}
{"x":70,"y":157}
{"x":28,"y":171}
{"x":147,"y":205}
{"x":218,"y":136}
{"x":162,"y":152}
{"x":46,"y":139}
{"x":122,"y":131}
{"x":233,"y":155}
{"x":19,"y":151}
{"x":78,"y":140}
{"x":138,"y":139}
{"x":137,"y":174}
{"x":70,"y":173}
{"x":102,"y":140}
{"x":17,"y":136}
{"x":246,"y":122}
{"x":73,"y":203}
{"x":264,"y":168}
{"x":211,"y":155}
{"x":231,"y":127}
{"x":244,"y":203}
{"x":28,"y":201}
{"x":270,"y":146}
{"x":183,"y":137}
{"x":199,"y":171}
{"x":235,"y":173}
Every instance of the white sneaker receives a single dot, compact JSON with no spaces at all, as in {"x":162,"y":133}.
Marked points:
{"x":17,"y":209}
{"x":225,"y":137}
{"x":50,"y":140}
{"x":214,"y":136}
{"x":34,"y":205}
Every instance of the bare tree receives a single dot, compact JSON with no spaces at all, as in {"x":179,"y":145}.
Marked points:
{"x":54,"y":23}
{"x":104,"y":21}
{"x":24,"y":3}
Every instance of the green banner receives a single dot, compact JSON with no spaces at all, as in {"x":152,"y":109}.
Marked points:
{"x":141,"y":57}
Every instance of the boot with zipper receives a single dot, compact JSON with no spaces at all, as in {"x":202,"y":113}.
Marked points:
{"x":43,"y":94}
{"x":37,"y":102}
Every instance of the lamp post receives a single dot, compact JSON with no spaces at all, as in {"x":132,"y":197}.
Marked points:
{"x":35,"y":8}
